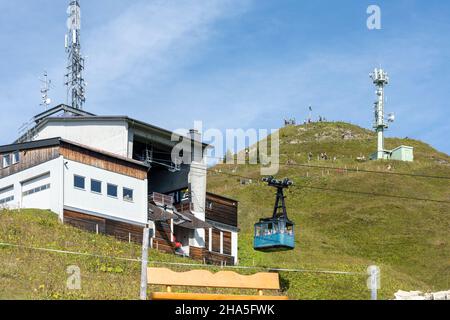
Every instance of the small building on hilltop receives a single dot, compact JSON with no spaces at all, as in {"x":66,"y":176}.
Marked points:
{"x":114,"y":175}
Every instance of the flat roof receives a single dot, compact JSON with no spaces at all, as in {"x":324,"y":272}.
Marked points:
{"x":222,"y":197}
{"x":46,"y":117}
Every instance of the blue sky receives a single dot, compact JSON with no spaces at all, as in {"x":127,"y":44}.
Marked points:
{"x":234,"y":64}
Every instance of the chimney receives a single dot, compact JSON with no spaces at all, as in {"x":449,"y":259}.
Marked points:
{"x":195,"y":135}
{"x":196,"y":145}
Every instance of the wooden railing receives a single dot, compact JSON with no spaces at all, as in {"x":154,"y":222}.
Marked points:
{"x":161,"y":199}
{"x":184,"y":206}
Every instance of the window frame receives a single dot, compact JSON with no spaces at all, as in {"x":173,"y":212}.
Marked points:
{"x":6,"y":164}
{"x":75,"y":176}
{"x":101,"y":186}
{"x":117,"y":190}
{"x":6,"y":200}
{"x":36,"y":190}
{"x":132,"y":194}
{"x":15,"y":158}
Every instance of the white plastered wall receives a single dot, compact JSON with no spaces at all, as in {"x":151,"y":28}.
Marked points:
{"x":111,"y":136}
{"x":90,"y":202}
{"x":46,"y":173}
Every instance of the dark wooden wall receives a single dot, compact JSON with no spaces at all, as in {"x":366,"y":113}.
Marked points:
{"x":29,"y":159}
{"x":120,"y":230}
{"x":221,"y":210}
{"x":34,"y":157}
{"x":196,"y":253}
{"x":163,"y":231}
{"x":218,"y":259}
{"x":101,"y":161}
{"x":215,"y":240}
{"x":227,"y":243}
{"x":124,"y":231}
{"x":162,"y":241}
{"x":210,"y":257}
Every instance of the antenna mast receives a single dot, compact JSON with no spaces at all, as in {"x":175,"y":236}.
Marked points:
{"x":74,"y":78}
{"x":46,"y":83}
{"x":380,"y":79}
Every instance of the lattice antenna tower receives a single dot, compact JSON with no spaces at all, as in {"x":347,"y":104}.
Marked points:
{"x":76,"y":94}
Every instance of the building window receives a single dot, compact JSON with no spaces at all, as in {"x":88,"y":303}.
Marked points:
{"x":127,"y":194}
{"x":7,"y":189}
{"x":112,"y":190}
{"x":36,"y":190}
{"x":79,"y":182}
{"x":96,"y":186}
{"x":6,"y":200}
{"x":16,"y":157}
{"x":6,"y":160}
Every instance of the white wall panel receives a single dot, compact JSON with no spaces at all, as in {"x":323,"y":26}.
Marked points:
{"x":86,"y":200}
{"x":111,"y":136}
{"x":46,"y":173}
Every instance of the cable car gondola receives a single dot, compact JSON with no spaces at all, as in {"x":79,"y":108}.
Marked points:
{"x":276,"y":233}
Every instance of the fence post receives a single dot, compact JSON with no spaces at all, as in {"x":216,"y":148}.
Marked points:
{"x":145,"y":240}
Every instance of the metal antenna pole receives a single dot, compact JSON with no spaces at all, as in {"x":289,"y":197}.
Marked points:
{"x":380,"y":79}
{"x":45,"y":89}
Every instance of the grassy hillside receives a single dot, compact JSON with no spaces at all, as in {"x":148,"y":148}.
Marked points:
{"x":342,"y":231}
{"x":33,"y":274}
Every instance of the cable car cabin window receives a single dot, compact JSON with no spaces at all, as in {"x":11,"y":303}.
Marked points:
{"x":258,"y":231}
{"x":274,"y":236}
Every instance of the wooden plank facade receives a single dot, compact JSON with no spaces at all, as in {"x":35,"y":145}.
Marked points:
{"x":215,"y":240}
{"x":28,"y":159}
{"x":33,"y":157}
{"x":120,"y":230}
{"x":102,"y":161}
{"x":227,"y":243}
{"x":210,"y":257}
{"x":221,"y":209}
